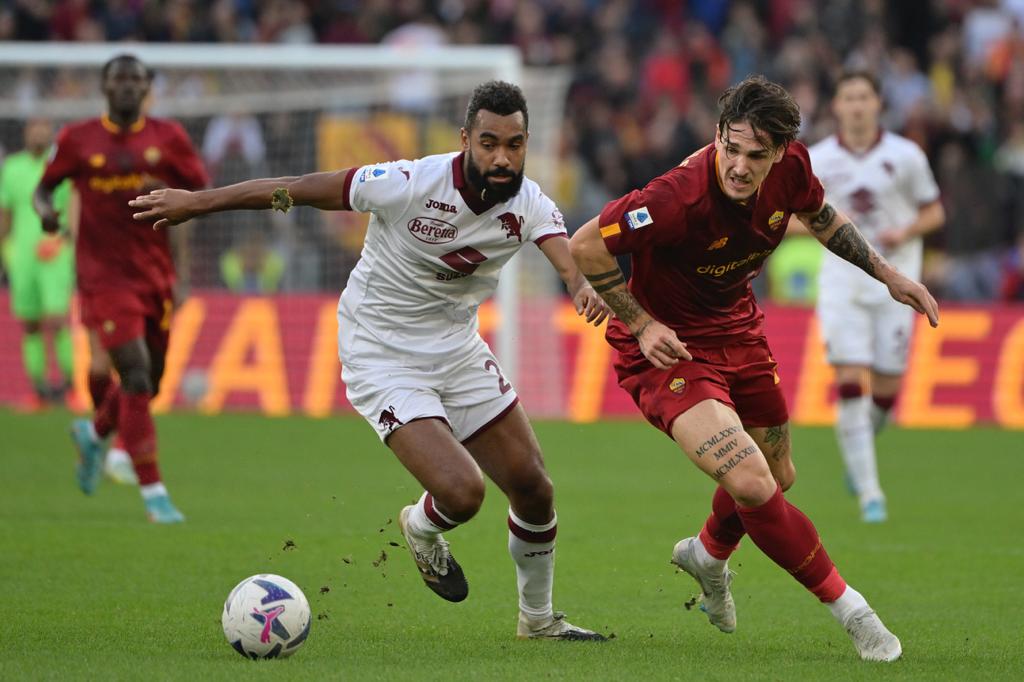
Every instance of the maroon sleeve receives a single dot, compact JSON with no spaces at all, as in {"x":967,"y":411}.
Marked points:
{"x":64,"y":162}
{"x":808,"y":194}
{"x":188,"y":165}
{"x":643,"y":219}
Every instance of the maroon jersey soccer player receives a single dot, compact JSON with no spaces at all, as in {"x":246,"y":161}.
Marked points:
{"x":125,"y":271}
{"x":690,"y":345}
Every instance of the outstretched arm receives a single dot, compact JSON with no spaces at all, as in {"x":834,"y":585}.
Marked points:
{"x":841,"y":237}
{"x":586,"y":300}
{"x":659,"y":344}
{"x":172,"y":206}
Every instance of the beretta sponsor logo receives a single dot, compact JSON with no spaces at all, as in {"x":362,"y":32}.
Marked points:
{"x":432,"y":230}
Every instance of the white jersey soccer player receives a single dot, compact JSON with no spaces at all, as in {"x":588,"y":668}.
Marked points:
{"x":432,"y":255}
{"x":412,"y":358}
{"x":884,"y":183}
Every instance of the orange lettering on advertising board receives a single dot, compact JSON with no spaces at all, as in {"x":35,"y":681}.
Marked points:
{"x":254,"y":328}
{"x":929,"y":368}
{"x":185,"y":327}
{"x":1008,"y":392}
{"x":586,"y":392}
{"x":816,"y":376}
{"x":324,"y":367}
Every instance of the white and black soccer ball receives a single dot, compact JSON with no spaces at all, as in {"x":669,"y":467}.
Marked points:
{"x":266,"y":616}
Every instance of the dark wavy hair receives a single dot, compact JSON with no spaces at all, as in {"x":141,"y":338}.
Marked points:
{"x":498,"y":97}
{"x":767,"y":107}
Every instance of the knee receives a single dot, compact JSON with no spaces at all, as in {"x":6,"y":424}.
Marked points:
{"x":754,"y":488}
{"x":136,"y":380}
{"x":463,"y":498}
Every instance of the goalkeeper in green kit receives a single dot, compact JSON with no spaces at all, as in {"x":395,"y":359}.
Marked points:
{"x":40,"y":267}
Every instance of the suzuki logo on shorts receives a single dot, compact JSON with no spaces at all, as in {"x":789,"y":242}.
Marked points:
{"x":388,"y":420}
{"x":432,"y":230}
{"x":440,"y":206}
{"x":513,"y":225}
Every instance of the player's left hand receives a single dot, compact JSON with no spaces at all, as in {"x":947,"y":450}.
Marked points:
{"x":914,"y":294}
{"x":166,"y":206}
{"x":892,"y":238}
{"x":590,"y":305}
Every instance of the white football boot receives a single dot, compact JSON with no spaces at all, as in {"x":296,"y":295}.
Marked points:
{"x":554,"y":627}
{"x":871,"y":638}
{"x":716,"y":599}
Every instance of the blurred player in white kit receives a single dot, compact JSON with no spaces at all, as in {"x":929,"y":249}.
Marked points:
{"x":883,"y":182}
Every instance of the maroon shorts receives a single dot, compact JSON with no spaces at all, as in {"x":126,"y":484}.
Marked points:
{"x":120,"y":315}
{"x":741,"y":375}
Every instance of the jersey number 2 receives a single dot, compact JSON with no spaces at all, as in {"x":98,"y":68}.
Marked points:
{"x":503,"y":385}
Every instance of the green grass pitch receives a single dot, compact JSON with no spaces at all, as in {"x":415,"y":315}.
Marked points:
{"x":92,"y":591}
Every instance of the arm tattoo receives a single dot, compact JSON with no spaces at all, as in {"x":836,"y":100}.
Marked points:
{"x":821,"y":222}
{"x":849,"y":244}
{"x":600,"y":277}
{"x":625,"y":306}
{"x":611,"y":284}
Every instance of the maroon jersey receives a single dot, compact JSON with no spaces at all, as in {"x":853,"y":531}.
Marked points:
{"x":109,"y":167}
{"x":695,"y":251}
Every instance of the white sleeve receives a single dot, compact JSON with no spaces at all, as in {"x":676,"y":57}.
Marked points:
{"x":923,"y":187}
{"x":546,"y":221}
{"x":382,"y":188}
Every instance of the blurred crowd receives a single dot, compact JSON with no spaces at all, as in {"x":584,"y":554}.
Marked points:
{"x":646,"y":77}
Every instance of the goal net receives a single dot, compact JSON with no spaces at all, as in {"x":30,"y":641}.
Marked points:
{"x":255,"y":111}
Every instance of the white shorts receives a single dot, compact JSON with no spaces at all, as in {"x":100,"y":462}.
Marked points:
{"x":467,"y":390}
{"x":874,"y":335}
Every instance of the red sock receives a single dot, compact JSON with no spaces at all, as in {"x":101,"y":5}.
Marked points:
{"x":136,"y":428}
{"x":722,"y":531}
{"x":781,"y":531}
{"x":108,"y":410}
{"x":99,"y":384}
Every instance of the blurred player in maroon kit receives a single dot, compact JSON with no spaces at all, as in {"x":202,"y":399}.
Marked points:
{"x":126,"y":276}
{"x":698,"y":235}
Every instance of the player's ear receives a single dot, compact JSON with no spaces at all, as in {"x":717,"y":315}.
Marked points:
{"x":464,"y":134}
{"x":780,"y":151}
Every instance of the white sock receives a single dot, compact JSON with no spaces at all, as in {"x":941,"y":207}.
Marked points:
{"x":857,"y":443}
{"x":705,"y":558}
{"x":879,"y":418}
{"x":849,"y":602}
{"x":152,"y":490}
{"x":532,"y":548}
{"x":118,"y":456}
{"x":419,"y":522}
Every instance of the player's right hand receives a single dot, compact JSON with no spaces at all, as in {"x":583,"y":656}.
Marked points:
{"x":661,"y":346}
{"x":166,"y":206}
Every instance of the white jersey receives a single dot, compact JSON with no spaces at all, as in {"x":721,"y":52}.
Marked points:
{"x":432,"y":255}
{"x":880,"y":189}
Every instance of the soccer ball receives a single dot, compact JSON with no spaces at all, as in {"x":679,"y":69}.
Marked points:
{"x":266,"y":616}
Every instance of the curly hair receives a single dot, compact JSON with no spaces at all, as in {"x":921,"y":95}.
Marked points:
{"x":767,"y":107}
{"x":124,"y":58}
{"x":498,"y":97}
